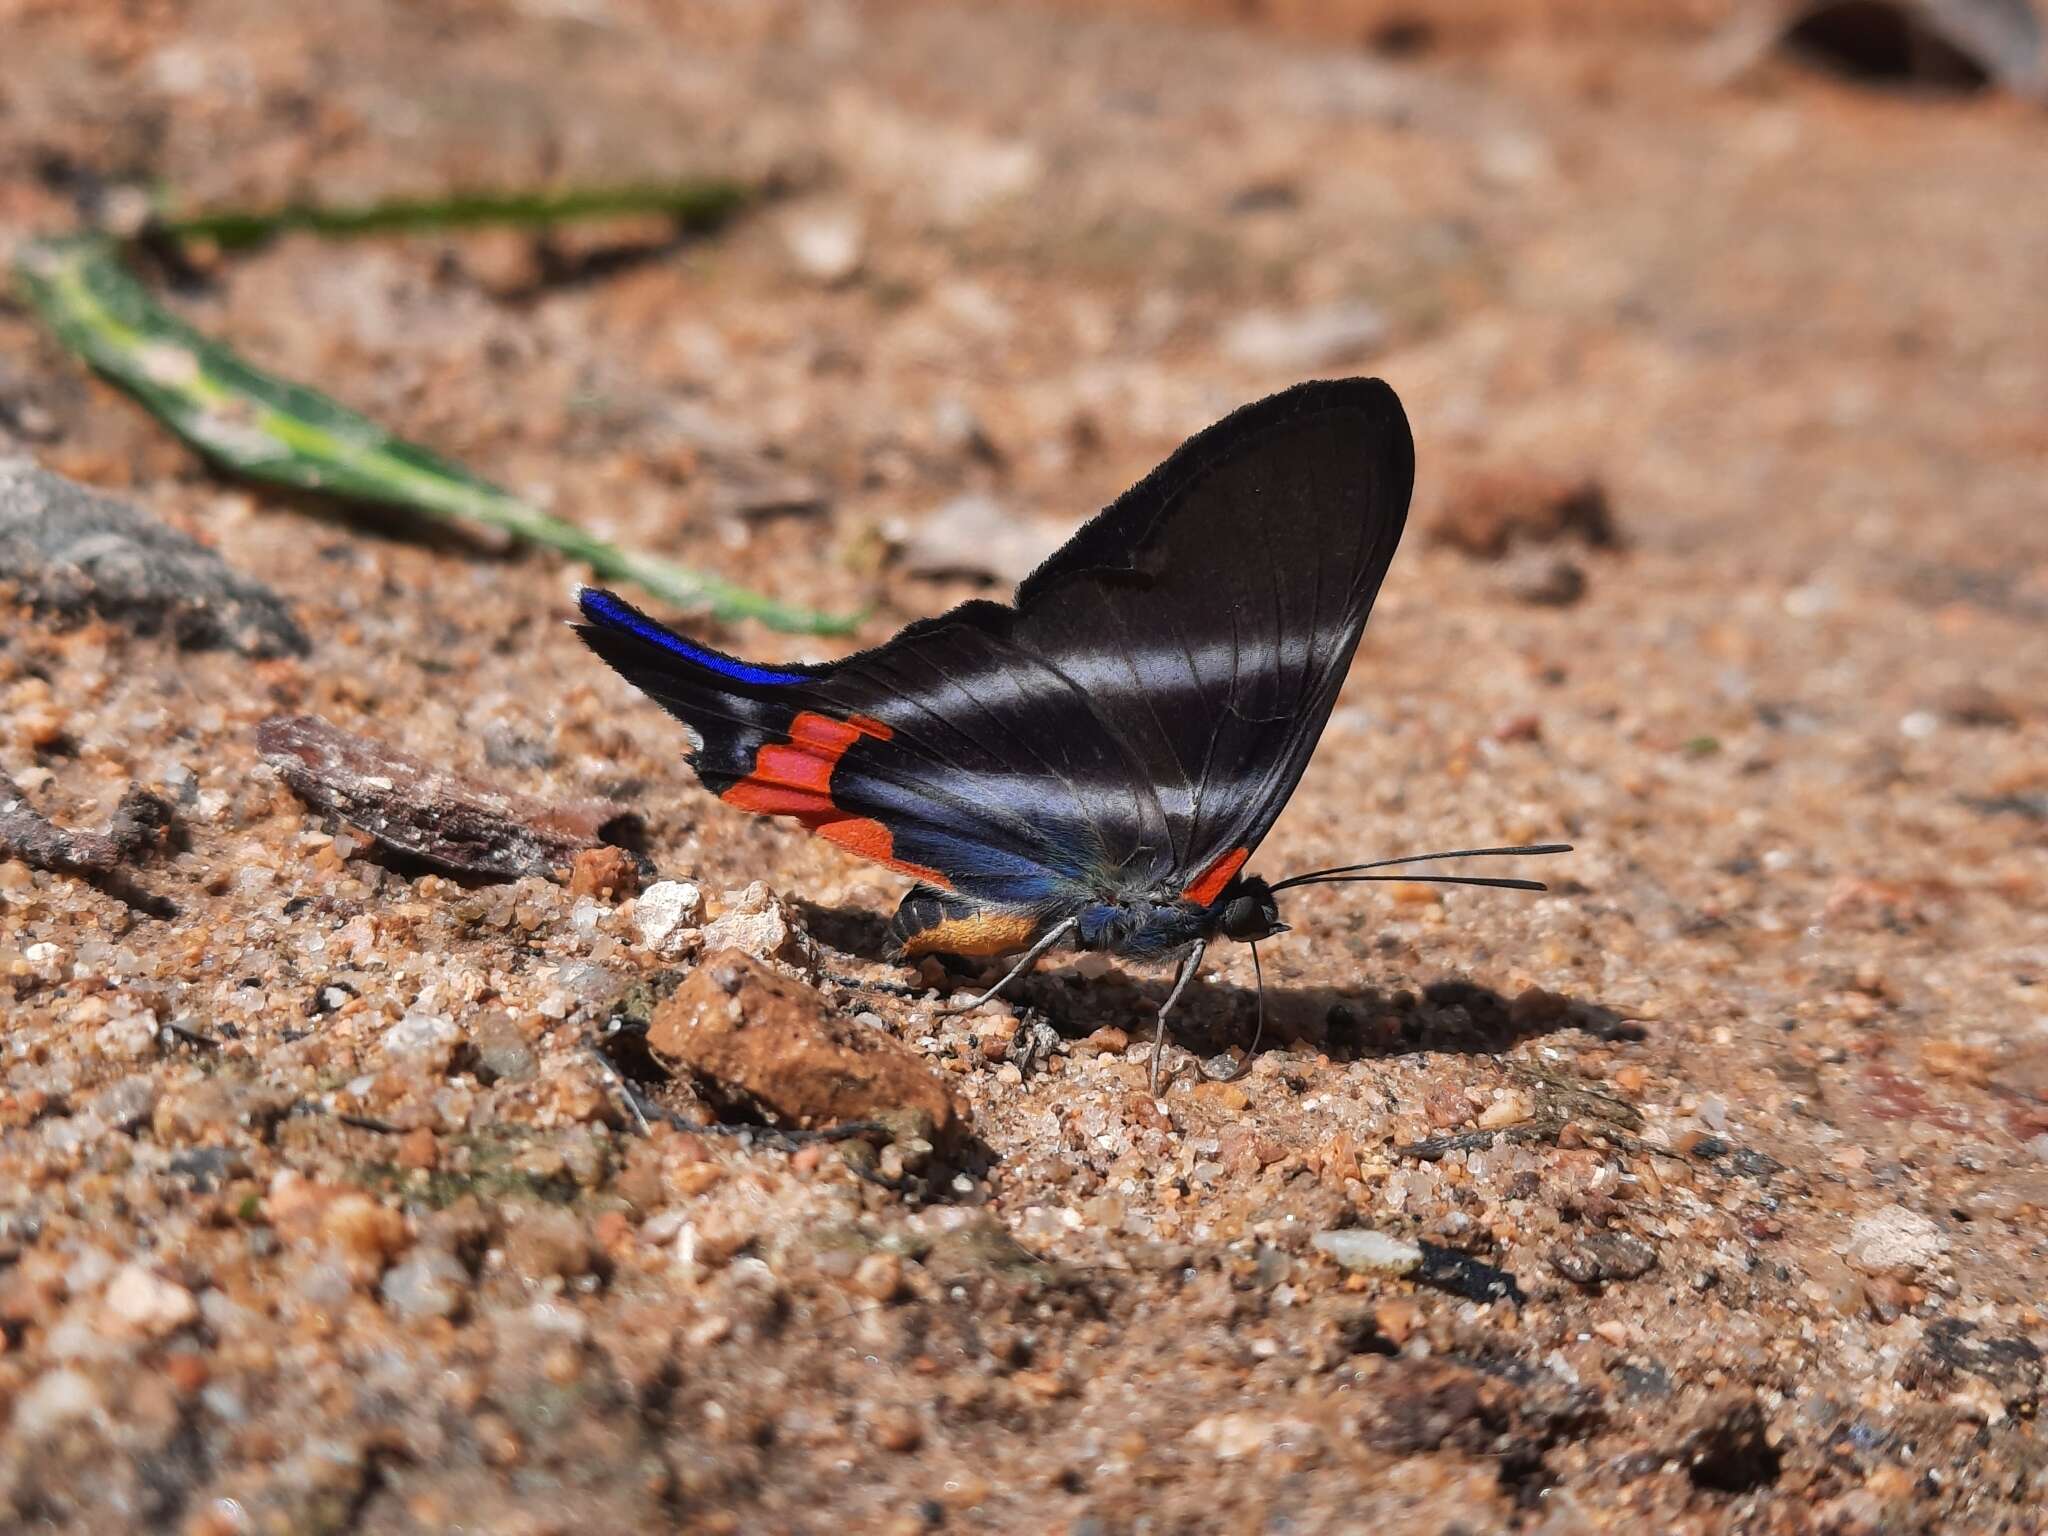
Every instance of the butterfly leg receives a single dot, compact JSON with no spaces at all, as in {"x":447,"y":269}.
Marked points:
{"x":1053,"y":936}
{"x":1187,"y":973}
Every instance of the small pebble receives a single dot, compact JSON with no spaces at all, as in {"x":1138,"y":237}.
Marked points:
{"x":1364,"y":1251}
{"x":666,"y":913}
{"x":430,"y":1282}
{"x":53,"y":1400}
{"x":895,"y":1429}
{"x":364,"y":1233}
{"x":1896,"y":1241}
{"x":607,"y":872}
{"x":144,"y":1302}
{"x":1397,"y":1318}
{"x":879,"y":1277}
{"x":1302,"y":340}
{"x":825,"y":242}
{"x":758,"y":925}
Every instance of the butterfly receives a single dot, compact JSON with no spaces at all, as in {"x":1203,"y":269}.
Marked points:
{"x":1094,"y":762}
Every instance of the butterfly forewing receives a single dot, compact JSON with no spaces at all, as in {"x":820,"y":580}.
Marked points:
{"x":1210,"y":615}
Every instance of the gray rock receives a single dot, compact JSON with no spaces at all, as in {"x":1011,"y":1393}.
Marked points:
{"x":502,"y":1053}
{"x":421,"y":1032}
{"x":55,"y":1399}
{"x":124,"y":1105}
{"x":430,"y":1282}
{"x":73,"y":552}
{"x":1544,"y":581}
{"x":978,"y":537}
{"x":759,"y":924}
{"x":826,"y":241}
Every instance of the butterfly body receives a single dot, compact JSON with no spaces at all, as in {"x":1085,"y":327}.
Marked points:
{"x":1094,"y":762}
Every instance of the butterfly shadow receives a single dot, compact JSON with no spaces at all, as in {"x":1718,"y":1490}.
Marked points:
{"x":1449,"y":1016}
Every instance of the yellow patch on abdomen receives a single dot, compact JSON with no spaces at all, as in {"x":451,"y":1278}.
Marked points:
{"x":979,"y":934}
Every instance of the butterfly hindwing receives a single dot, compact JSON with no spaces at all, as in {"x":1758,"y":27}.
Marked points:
{"x":888,"y":759}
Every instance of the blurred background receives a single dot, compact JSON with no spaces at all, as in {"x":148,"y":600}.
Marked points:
{"x":1723,"y":331}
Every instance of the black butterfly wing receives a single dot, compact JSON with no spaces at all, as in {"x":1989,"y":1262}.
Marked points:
{"x":1211,"y":613}
{"x":1141,"y":713}
{"x":949,"y":753}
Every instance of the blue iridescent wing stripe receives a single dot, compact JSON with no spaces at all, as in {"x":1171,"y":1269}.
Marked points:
{"x":604,"y":609}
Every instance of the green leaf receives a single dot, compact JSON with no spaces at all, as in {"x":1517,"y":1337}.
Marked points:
{"x":273,"y":430}
{"x":696,"y":206}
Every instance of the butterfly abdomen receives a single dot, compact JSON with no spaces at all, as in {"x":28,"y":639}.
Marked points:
{"x":932,"y":922}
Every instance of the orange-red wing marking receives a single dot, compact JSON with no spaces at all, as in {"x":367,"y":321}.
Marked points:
{"x":794,"y":778}
{"x":1209,"y":884}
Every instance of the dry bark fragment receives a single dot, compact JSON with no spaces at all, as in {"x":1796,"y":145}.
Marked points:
{"x":429,"y":813}
{"x":28,"y":835}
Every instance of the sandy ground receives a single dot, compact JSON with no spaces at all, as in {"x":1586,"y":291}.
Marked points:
{"x":320,"y":1212}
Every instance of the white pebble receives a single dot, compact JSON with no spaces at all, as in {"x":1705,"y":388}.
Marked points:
{"x":666,"y":912}
{"x":430,"y":1283}
{"x":54,"y":1400}
{"x":1895,"y":1239}
{"x":143,"y":1300}
{"x":420,"y":1032}
{"x":1369,"y":1252}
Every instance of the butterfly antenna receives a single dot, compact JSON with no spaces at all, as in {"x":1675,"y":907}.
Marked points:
{"x":1343,"y":873}
{"x":1258,"y":1030}
{"x":1497,"y":882}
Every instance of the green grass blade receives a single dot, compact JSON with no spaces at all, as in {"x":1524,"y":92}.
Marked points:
{"x":696,"y":206}
{"x":270,"y":429}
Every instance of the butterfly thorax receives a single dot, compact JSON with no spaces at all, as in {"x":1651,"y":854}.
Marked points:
{"x":1141,"y":925}
{"x":1148,"y":925}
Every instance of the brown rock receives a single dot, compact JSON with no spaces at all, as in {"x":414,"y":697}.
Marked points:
{"x":505,"y":263}
{"x":418,"y":1149}
{"x":896,"y":1429}
{"x":547,"y":1241}
{"x":607,"y":872}
{"x":879,"y":1277}
{"x":1604,"y":1256}
{"x":1398,"y":1318}
{"x":364,"y":1233}
{"x":1227,"y":1097}
{"x":1491,"y":512}
{"x":752,"y":1037}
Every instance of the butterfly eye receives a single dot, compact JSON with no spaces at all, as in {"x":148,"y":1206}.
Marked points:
{"x":1248,"y":917}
